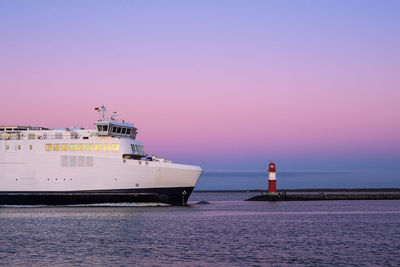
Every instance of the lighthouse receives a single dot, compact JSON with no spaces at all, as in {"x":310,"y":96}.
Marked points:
{"x":272,"y":179}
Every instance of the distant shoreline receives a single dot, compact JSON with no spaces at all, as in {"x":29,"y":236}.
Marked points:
{"x":305,"y":190}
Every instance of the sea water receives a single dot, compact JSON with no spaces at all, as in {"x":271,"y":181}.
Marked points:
{"x":218,"y":229}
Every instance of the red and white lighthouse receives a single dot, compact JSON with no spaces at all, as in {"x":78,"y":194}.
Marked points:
{"x":272,"y":179}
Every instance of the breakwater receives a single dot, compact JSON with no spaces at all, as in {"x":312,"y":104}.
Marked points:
{"x":324,"y":196}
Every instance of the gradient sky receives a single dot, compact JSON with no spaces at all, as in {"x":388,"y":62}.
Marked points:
{"x":228,"y":85}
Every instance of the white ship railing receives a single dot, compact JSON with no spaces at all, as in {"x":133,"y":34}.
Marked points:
{"x":32,"y":136}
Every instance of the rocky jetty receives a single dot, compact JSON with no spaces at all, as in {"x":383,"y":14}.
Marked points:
{"x":324,"y":196}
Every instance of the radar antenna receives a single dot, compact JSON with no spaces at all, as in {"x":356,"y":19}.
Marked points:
{"x":114,"y":116}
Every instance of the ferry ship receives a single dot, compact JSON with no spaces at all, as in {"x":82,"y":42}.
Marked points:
{"x":41,"y":166}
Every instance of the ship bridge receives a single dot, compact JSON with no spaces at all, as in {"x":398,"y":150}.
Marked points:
{"x":111,"y":127}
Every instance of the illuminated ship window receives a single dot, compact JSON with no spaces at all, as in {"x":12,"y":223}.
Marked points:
{"x":30,"y":147}
{"x":72,"y":147}
{"x":107,"y":147}
{"x":56,"y":147}
{"x":81,"y":147}
{"x":19,"y":147}
{"x":89,"y":147}
{"x":115,"y":147}
{"x":97,"y":147}
{"x":48,"y":147}
{"x":7,"y":147}
{"x":64,"y":147}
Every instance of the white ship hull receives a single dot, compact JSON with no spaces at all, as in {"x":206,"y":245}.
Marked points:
{"x":57,"y":178}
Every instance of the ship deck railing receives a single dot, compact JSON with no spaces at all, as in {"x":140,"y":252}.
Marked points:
{"x":21,"y":136}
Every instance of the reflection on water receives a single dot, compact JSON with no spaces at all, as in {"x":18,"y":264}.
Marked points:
{"x":227,"y":231}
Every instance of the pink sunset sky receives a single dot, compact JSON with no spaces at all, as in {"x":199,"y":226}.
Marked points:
{"x":224,"y":84}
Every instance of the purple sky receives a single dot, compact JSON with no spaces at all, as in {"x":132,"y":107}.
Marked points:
{"x":312,"y":85}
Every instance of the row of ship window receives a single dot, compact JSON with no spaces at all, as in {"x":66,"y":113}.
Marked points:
{"x":114,"y":129}
{"x":82,"y":147}
{"x":17,"y":136}
{"x":138,"y":149}
{"x":19,"y":147}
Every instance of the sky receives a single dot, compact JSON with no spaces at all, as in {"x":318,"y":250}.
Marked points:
{"x":227,"y":85}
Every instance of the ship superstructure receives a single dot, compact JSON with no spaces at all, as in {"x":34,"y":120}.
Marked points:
{"x":80,"y":166}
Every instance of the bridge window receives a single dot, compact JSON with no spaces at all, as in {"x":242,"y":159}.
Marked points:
{"x":123,"y":130}
{"x":114,"y":129}
{"x":105,"y":128}
{"x":118,"y":129}
{"x":128,"y":131}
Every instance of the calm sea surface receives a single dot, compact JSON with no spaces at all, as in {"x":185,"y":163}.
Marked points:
{"x":217,"y":229}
